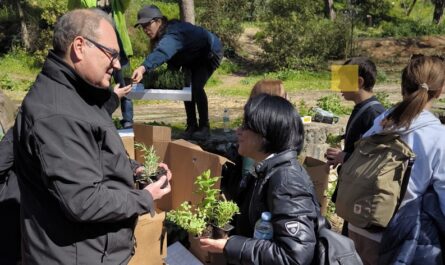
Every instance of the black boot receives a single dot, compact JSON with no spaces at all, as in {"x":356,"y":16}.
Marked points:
{"x":202,"y":133}
{"x":187,"y":134}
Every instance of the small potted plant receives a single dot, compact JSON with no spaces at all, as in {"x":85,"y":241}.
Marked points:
{"x":333,"y":140}
{"x":211,"y":212}
{"x":164,"y":78}
{"x":152,"y":172}
{"x":222,"y":215}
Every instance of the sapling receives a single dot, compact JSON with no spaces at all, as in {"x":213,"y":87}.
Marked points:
{"x":224,"y":212}
{"x":152,"y":172}
{"x":333,"y":140}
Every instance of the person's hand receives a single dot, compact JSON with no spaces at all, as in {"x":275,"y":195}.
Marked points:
{"x":121,"y":91}
{"x":155,"y":188}
{"x":138,"y":74}
{"x":334,"y":156}
{"x":213,"y":245}
{"x":139,"y":171}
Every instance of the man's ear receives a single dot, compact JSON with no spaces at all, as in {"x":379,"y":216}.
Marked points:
{"x":361,"y":82}
{"x":78,"y":49}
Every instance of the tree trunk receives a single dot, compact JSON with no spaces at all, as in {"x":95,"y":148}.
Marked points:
{"x":439,"y":5}
{"x":24,"y":30}
{"x":187,"y":11}
{"x":411,"y":7}
{"x":329,"y":9}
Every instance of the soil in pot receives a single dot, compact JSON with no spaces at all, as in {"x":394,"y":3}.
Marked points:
{"x":219,"y":233}
{"x":142,"y":183}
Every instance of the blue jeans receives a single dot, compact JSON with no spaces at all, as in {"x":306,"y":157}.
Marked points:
{"x":127,"y":110}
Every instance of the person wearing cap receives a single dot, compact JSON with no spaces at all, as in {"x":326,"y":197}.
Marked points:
{"x":116,"y":10}
{"x":181,"y":44}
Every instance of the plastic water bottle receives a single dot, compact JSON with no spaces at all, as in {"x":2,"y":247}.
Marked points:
{"x":263,"y":227}
{"x":226,"y":120}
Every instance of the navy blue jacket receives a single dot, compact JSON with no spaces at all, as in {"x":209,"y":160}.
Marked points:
{"x":414,"y":234}
{"x":184,"y":44}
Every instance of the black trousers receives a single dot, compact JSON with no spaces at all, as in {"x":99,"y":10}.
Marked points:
{"x":200,"y":74}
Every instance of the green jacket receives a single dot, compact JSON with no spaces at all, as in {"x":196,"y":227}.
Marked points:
{"x":119,"y":7}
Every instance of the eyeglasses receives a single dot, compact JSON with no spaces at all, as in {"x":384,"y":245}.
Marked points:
{"x":148,"y":23}
{"x":112,"y":53}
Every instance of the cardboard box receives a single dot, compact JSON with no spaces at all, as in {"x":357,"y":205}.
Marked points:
{"x":187,"y":161}
{"x":319,"y":173}
{"x":151,"y":240}
{"x":205,"y":256}
{"x":158,"y":136}
{"x":127,"y":137}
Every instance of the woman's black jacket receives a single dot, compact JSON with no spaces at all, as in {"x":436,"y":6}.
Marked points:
{"x":283,"y":188}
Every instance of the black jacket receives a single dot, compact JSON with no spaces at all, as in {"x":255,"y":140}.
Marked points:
{"x":283,"y":188}
{"x":78,"y":201}
{"x":9,"y":204}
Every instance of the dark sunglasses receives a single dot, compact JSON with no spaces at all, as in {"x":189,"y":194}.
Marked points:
{"x":112,"y":53}
{"x":143,"y":26}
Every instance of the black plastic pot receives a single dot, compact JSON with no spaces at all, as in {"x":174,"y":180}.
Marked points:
{"x":219,"y":233}
{"x":142,"y":183}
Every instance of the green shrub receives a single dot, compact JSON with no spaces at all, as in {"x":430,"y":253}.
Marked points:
{"x":410,"y":28}
{"x":383,"y":98}
{"x":297,"y":42}
{"x":333,"y":104}
{"x":304,"y":109}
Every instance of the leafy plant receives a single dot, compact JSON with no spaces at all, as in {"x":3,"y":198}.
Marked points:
{"x":383,"y":98}
{"x":163,"y":78}
{"x":333,"y":104}
{"x":224,"y":212}
{"x":304,"y":109}
{"x":193,"y":221}
{"x":151,"y":161}
{"x":333,"y":140}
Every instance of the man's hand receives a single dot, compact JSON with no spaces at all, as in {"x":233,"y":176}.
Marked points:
{"x":334,"y":156}
{"x":138,"y":74}
{"x":155,"y":188}
{"x":121,"y":91}
{"x":213,"y":245}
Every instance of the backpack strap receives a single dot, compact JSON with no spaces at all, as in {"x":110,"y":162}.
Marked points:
{"x":405,"y":181}
{"x":359,"y":113}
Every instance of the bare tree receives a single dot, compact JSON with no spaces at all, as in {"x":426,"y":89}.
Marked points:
{"x":439,"y":5}
{"x":187,"y":11}
{"x":24,"y":30}
{"x":329,"y":9}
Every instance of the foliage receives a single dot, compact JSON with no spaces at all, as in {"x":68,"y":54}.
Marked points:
{"x":304,"y":109}
{"x":383,"y":97}
{"x":333,"y":104}
{"x":189,"y":219}
{"x":222,"y":17}
{"x":333,"y":140}
{"x":408,"y":27}
{"x":331,"y":205}
{"x":209,"y":209}
{"x":224,"y":212}
{"x":163,"y":78}
{"x":298,"y":42}
{"x":151,"y":161}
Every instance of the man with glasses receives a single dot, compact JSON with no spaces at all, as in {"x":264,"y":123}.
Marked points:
{"x":116,"y":10}
{"x":78,"y":202}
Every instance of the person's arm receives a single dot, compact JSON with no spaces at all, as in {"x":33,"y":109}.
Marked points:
{"x":293,"y":215}
{"x":72,"y":172}
{"x":167,"y":47}
{"x":6,"y":154}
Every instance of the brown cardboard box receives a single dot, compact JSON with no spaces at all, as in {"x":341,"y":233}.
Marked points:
{"x":204,"y":256}
{"x":127,"y":137}
{"x":187,"y":161}
{"x":151,"y":241}
{"x":319,"y":173}
{"x":158,"y":136}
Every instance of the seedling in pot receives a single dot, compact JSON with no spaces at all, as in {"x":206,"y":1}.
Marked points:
{"x":222,"y":215}
{"x":152,"y":171}
{"x":334,"y":140}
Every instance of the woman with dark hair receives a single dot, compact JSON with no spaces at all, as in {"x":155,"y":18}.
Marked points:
{"x":415,"y":232}
{"x":271,"y":134}
{"x":182,"y":44}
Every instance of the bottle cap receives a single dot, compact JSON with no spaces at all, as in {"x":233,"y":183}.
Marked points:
{"x":266,"y":216}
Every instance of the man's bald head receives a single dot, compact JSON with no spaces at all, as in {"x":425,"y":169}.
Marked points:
{"x":79,"y":22}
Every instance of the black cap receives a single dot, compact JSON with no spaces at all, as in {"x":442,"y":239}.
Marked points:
{"x":147,"y":14}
